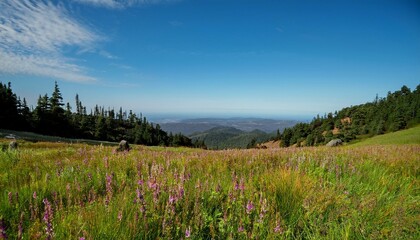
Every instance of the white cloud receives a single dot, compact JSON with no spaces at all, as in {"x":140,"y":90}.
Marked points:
{"x":33,"y":35}
{"x":123,"y":3}
{"x":103,"y":3}
{"x":32,"y":64}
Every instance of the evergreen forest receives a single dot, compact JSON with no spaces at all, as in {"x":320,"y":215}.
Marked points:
{"x":51,"y":116}
{"x":398,"y":110}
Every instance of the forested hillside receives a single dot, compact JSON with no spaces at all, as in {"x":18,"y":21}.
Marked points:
{"x":396,"y":111}
{"x":52,"y":117}
{"x":229,"y":137}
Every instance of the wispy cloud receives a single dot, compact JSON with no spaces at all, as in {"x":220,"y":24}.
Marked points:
{"x":33,"y":35}
{"x":103,"y":3}
{"x":32,"y":64}
{"x":123,"y":3}
{"x":107,"y":55}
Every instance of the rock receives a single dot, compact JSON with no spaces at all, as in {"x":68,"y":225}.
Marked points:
{"x":123,"y":146}
{"x":334,"y":143}
{"x":10,"y":136}
{"x":13,"y":145}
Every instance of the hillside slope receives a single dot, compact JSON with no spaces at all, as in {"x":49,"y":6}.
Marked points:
{"x":407,"y":136}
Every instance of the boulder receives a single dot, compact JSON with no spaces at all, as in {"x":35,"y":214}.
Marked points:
{"x":335,"y":143}
{"x":13,"y":145}
{"x":123,"y":146}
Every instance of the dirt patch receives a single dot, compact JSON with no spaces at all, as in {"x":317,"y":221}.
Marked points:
{"x":346,"y":120}
{"x":270,"y":144}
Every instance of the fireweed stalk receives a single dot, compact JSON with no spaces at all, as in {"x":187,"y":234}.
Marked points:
{"x":48,"y":216}
{"x":108,"y":183}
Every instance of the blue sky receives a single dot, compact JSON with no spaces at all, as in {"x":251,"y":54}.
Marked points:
{"x":211,"y":58}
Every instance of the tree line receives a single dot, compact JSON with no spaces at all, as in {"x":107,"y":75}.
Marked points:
{"x":52,"y":117}
{"x":396,"y":111}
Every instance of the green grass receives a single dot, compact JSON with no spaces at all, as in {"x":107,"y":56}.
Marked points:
{"x":408,"y":136}
{"x":365,"y":192}
{"x":34,"y":137}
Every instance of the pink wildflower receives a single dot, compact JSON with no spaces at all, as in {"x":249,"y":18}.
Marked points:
{"x":48,"y":215}
{"x":172,"y":199}
{"x":108,"y":188}
{"x":249,"y":207}
{"x":278,"y":228}
{"x":188,"y":232}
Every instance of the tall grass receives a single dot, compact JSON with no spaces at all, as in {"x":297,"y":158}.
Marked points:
{"x":63,"y":191}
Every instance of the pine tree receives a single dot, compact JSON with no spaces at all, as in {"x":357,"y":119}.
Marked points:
{"x":56,"y":100}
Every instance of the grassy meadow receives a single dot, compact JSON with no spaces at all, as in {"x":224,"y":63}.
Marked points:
{"x":407,"y":136}
{"x":79,"y":191}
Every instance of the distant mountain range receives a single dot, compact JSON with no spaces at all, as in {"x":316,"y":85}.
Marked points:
{"x":190,"y":126}
{"x":222,"y":133}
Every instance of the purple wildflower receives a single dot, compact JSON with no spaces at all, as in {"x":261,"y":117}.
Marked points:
{"x":278,"y":228}
{"x":82,"y":238}
{"x":120,"y":216}
{"x":172,"y":199}
{"x":48,"y":215}
{"x":249,"y":207}
{"x":151,"y":183}
{"x":241,"y":228}
{"x":188,"y":232}
{"x":34,"y":195}
{"x":236,"y":183}
{"x":108,"y":188}
{"x":139,"y":196}
{"x":2,"y":230}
